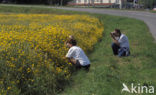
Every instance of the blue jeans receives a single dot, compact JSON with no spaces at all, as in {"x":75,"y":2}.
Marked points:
{"x":120,"y":51}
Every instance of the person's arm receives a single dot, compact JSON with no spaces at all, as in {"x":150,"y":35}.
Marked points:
{"x":71,"y":60}
{"x":69,"y":56}
{"x":114,"y":40}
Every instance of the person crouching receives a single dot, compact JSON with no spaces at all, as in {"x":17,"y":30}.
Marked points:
{"x":120,"y":45}
{"x":76,"y":55}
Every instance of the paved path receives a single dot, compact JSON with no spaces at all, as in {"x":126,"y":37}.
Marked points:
{"x":147,"y":17}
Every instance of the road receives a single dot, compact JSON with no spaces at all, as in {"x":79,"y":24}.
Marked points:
{"x":147,"y":17}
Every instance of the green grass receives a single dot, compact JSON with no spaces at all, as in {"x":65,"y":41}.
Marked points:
{"x":108,"y":72}
{"x":153,"y":11}
{"x":42,"y":7}
{"x":36,"y":9}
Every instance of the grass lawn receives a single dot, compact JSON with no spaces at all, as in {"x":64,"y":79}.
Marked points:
{"x":108,"y":72}
{"x":153,"y":11}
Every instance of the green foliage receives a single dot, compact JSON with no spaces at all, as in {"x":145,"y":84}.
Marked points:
{"x":36,"y":67}
{"x":48,"y":2}
{"x":27,"y":78}
{"x":148,"y":3}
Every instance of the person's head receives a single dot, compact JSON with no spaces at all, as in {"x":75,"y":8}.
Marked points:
{"x":117,"y":32}
{"x":70,"y":43}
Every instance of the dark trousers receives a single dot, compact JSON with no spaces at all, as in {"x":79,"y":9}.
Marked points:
{"x":79,"y":66}
{"x":115,"y":48}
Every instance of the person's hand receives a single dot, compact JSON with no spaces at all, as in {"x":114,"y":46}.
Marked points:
{"x":112,"y":35}
{"x":64,"y":58}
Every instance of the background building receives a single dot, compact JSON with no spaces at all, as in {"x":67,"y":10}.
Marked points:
{"x":116,"y":3}
{"x":94,"y":2}
{"x":101,"y":3}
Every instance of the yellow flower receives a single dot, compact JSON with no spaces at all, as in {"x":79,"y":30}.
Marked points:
{"x":28,"y":70}
{"x":9,"y":88}
{"x":36,"y":41}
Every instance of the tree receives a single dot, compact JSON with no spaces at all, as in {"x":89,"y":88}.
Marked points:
{"x":148,"y":3}
{"x":49,"y":2}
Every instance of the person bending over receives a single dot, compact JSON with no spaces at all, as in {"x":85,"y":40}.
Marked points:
{"x":120,"y":45}
{"x":76,"y":55}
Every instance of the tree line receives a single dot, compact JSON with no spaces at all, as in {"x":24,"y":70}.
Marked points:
{"x":145,"y":3}
{"x":148,"y":3}
{"x":47,"y":2}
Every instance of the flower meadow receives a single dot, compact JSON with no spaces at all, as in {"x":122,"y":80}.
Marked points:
{"x":32,"y":50}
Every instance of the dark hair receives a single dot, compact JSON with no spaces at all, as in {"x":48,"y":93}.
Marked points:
{"x":72,"y":41}
{"x":118,"y":31}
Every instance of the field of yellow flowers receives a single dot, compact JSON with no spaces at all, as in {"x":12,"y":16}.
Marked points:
{"x":32,"y":50}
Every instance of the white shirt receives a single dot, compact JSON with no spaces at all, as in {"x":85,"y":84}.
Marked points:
{"x":123,"y":40}
{"x":78,"y":54}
